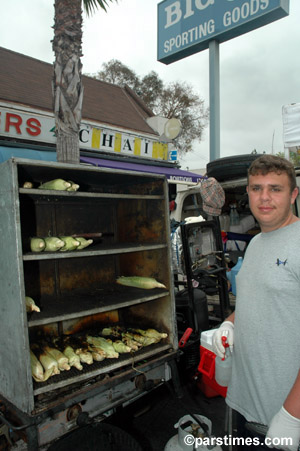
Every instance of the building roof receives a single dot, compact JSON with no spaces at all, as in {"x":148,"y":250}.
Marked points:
{"x":28,"y":81}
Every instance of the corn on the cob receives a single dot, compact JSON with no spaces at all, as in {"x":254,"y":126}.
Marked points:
{"x":114,"y":331}
{"x":61,"y":359}
{"x":48,"y":362}
{"x":151,"y":333}
{"x":103,"y":344}
{"x":28,"y":185}
{"x":31,"y":305}
{"x":37,"y":244}
{"x":144,"y":341}
{"x":37,"y":370}
{"x":53,"y":243}
{"x":83,"y":242}
{"x":73,"y":359}
{"x":140,"y":282}
{"x":70,"y":243}
{"x":56,"y":184}
{"x":121,"y":347}
{"x":73,"y":187}
{"x":84,"y":355}
{"x":130,"y":342}
{"x":97,"y":353}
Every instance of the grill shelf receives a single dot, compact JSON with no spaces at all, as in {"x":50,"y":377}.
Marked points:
{"x":66,"y":378}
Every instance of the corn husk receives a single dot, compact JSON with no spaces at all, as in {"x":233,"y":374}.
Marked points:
{"x":146,"y":283}
{"x":48,"y":362}
{"x":28,"y":185}
{"x":83,"y":242}
{"x":130,"y":342}
{"x":84,"y":355}
{"x":105,"y":345}
{"x":70,"y":243}
{"x":151,"y":333}
{"x":53,"y":243}
{"x":114,"y":331}
{"x":37,"y":370}
{"x":31,"y":305}
{"x":73,"y":187}
{"x":121,"y":347}
{"x":97,"y":353}
{"x":62,"y":360}
{"x":73,"y":359}
{"x":37,"y":244}
{"x":56,"y":184}
{"x":144,"y":341}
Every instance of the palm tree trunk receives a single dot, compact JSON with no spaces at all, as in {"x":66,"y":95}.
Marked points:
{"x":67,"y":84}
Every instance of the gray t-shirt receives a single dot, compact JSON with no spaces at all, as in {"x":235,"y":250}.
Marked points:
{"x":266,"y":356}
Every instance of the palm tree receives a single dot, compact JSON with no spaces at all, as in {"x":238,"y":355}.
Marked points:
{"x":67,"y":83}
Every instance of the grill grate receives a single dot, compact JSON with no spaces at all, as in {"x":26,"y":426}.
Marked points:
{"x":99,"y":369}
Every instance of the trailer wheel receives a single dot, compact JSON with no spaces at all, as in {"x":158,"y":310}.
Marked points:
{"x":230,"y":167}
{"x":97,"y":437}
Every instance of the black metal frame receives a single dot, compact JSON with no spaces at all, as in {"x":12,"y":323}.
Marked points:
{"x":220,"y":273}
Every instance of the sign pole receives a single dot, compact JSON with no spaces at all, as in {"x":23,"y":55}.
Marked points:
{"x":214,"y":99}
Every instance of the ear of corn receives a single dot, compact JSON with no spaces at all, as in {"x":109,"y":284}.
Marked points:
{"x":144,"y":341}
{"x":97,"y":353}
{"x":56,"y":184}
{"x":130,"y":342}
{"x":103,"y":344}
{"x":121,"y":347}
{"x":62,"y":360}
{"x":70,"y":243}
{"x":53,"y":243}
{"x":37,"y":244}
{"x":83,"y":242}
{"x":84,"y":355}
{"x":48,"y":362}
{"x":37,"y":370}
{"x":73,"y":187}
{"x":31,"y":305}
{"x":28,"y":185}
{"x":151,"y":333}
{"x":146,"y":283}
{"x":73,"y":359}
{"x":114,"y":331}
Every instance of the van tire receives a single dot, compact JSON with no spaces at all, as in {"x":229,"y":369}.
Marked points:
{"x":230,"y":167}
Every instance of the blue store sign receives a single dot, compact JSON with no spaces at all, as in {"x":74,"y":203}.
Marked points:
{"x":187,"y":26}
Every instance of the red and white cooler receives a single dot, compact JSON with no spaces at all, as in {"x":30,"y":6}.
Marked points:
{"x":206,"y":367}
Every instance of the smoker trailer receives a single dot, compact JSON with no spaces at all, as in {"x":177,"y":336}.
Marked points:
{"x":76,"y":291}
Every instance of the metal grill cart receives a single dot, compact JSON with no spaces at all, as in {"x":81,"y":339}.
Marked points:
{"x":76,"y":291}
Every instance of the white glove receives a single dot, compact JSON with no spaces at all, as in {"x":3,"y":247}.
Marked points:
{"x":284,"y":426}
{"x":225,"y":330}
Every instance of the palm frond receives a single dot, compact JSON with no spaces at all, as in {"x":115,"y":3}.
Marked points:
{"x":91,"y":5}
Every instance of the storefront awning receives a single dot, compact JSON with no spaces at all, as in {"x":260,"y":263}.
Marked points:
{"x":172,"y":174}
{"x":21,"y":152}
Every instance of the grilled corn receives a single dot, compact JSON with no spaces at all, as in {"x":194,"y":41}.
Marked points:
{"x":56,"y":184}
{"x":146,"y":283}
{"x":70,"y":243}
{"x":53,"y":243}
{"x":37,"y":244}
{"x":73,"y":359}
{"x":31,"y":305}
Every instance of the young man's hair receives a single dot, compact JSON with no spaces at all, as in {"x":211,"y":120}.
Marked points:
{"x":272,"y":163}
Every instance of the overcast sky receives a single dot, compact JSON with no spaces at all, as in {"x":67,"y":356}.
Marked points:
{"x":260,"y":71}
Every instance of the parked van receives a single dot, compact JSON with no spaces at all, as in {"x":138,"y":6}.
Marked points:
{"x":231,"y":173}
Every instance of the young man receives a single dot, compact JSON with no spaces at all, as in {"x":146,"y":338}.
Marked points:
{"x":264,"y":330}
